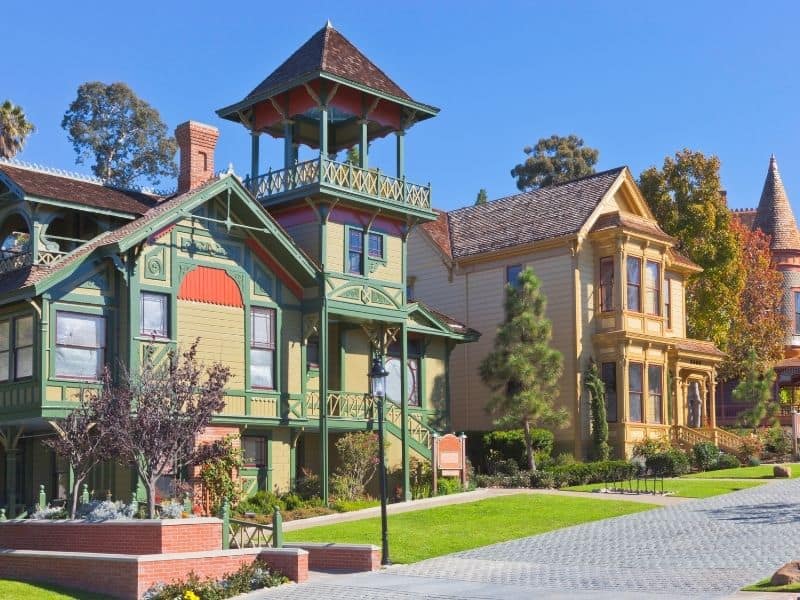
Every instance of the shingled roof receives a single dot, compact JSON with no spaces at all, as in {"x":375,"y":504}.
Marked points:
{"x":774,"y":214}
{"x":617,"y":219}
{"x":528,"y":217}
{"x":41,"y":184}
{"x":328,"y":51}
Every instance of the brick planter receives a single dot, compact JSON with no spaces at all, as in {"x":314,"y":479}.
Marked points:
{"x":350,"y":558}
{"x":114,"y":537}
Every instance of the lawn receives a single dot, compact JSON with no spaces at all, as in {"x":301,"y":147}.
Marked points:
{"x":433,"y":532}
{"x":17,"y":590}
{"x":765,"y":586}
{"x":686,"y":488}
{"x":759,"y":472}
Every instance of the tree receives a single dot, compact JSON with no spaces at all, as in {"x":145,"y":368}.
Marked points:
{"x":755,"y":390}
{"x":14,"y":129}
{"x":122,"y":133}
{"x":554,"y":160}
{"x":84,"y":439}
{"x":597,"y":398}
{"x":358,"y":463}
{"x":523,"y":370}
{"x":684,"y":196}
{"x":760,"y":324}
{"x":159,"y":413}
{"x":482,"y":198}
{"x":220,"y":475}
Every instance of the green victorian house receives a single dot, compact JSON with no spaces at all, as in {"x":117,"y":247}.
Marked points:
{"x":295,"y":278}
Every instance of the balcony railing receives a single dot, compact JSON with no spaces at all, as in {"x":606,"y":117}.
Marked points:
{"x":21,"y":260}
{"x":343,"y":176}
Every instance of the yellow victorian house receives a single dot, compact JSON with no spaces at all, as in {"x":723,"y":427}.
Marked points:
{"x":615,"y":285}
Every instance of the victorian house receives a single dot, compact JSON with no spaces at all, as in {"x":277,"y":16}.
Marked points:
{"x":294,"y":277}
{"x":615,"y":286}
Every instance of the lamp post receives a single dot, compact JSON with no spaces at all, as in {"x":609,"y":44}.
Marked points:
{"x":377,"y":376}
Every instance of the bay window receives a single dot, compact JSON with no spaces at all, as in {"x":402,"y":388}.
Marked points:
{"x":608,"y":373}
{"x":652,"y":289}
{"x":606,"y":284}
{"x":634,"y":284}
{"x":654,"y":393}
{"x":23,"y":347}
{"x":80,"y":345}
{"x":262,"y":348}
{"x":635,"y":391}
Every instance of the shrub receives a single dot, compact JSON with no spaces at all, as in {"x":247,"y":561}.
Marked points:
{"x":753,"y":461}
{"x":649,"y":447}
{"x":262,"y":502}
{"x":705,"y":455}
{"x":542,"y":479}
{"x":449,"y":485}
{"x":751,"y":447}
{"x":247,"y":578}
{"x":171,"y":510}
{"x":595,"y":472}
{"x":50,"y":513}
{"x":564,"y":458}
{"x":358,"y":453}
{"x":510,"y":444}
{"x":420,"y":478}
{"x":777,"y":440}
{"x":106,"y":510}
{"x":670,"y":463}
{"x":727,"y":461}
{"x":307,"y":485}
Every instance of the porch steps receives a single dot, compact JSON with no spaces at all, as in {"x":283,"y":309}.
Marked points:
{"x":724,"y":440}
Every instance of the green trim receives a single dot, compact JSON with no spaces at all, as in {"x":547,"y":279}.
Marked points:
{"x":404,"y":435}
{"x":268,"y":443}
{"x":81,"y":207}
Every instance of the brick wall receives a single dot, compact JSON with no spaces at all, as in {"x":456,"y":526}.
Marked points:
{"x":113,"y":537}
{"x":340,"y":557}
{"x":197,"y":143}
{"x":129,"y":577}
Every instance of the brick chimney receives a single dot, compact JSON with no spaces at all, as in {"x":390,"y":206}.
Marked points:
{"x":197,"y":142}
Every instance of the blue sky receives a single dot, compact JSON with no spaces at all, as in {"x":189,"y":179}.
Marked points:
{"x":637,"y":80}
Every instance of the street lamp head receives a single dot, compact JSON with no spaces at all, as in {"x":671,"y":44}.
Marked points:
{"x":377,"y":378}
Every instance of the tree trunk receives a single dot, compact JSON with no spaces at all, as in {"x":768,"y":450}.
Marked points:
{"x":150,"y":488}
{"x":76,"y":485}
{"x":529,"y":445}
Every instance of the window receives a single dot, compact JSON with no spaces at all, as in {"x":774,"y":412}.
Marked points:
{"x":512,"y":275}
{"x":23,"y":347}
{"x":654,"y":393}
{"x":254,"y":451}
{"x":410,"y":288}
{"x":652,"y":288}
{"x":355,"y":252}
{"x":606,"y":284}
{"x":608,"y":374}
{"x":262,"y":348}
{"x":375,"y":241}
{"x":635,"y":387}
{"x":668,"y":301}
{"x":393,"y":363}
{"x":80,"y":345}
{"x":5,"y":349}
{"x":634,"y":284}
{"x":154,"y":315}
{"x":797,"y":312}
{"x":312,"y":354}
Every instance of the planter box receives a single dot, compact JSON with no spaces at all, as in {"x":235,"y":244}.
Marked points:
{"x":114,"y":537}
{"x":349,"y":558}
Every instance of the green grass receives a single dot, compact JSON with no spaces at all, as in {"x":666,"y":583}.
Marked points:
{"x":764,"y":586}
{"x":686,"y":488}
{"x":760,"y":472}
{"x":436,"y":531}
{"x":17,"y":590}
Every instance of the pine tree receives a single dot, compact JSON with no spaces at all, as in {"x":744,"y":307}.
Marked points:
{"x":755,"y":389}
{"x":482,"y":197}
{"x":597,"y":397}
{"x":523,"y":370}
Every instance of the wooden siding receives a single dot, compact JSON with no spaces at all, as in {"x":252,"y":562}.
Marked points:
{"x":306,"y":236}
{"x":357,"y":366}
{"x":279,"y":450}
{"x":221,"y":333}
{"x":336,"y":250}
{"x":392,"y":270}
{"x":435,"y":367}
{"x":291,"y":344}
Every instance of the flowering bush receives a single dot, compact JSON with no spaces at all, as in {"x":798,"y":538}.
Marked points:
{"x":50,"y":513}
{"x":249,"y":577}
{"x":171,"y":510}
{"x":358,"y":453}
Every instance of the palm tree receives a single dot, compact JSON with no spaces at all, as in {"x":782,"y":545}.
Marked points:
{"x":14,"y":129}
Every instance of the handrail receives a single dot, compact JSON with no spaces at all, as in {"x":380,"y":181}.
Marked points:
{"x":247,"y":534}
{"x":345,"y":176}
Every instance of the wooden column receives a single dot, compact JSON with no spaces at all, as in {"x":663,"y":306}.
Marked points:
{"x":363,"y":145}
{"x":288,"y":144}
{"x":713,"y":399}
{"x":323,"y":132}
{"x":254,"y":158}
{"x":401,"y":159}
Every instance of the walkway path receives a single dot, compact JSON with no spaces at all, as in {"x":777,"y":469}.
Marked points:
{"x":695,"y":549}
{"x":474,"y":496}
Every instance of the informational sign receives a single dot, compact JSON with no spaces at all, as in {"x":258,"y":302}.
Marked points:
{"x":449,"y":458}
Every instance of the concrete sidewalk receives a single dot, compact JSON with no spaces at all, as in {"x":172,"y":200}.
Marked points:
{"x":462,"y":498}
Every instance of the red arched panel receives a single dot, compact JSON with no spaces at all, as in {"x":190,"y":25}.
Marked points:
{"x":212,"y":286}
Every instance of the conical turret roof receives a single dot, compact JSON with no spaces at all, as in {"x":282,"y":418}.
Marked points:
{"x":774,"y":215}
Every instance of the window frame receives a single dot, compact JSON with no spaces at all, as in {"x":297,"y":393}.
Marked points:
{"x":261,"y":442}
{"x":667,"y":302}
{"x":165,"y":335}
{"x":379,"y":236}
{"x":652,"y":293}
{"x":610,"y":386}
{"x":659,"y":395}
{"x":17,"y":348}
{"x":101,"y":349}
{"x":629,"y":286}
{"x":514,"y":283}
{"x":632,"y":392}
{"x":270,"y":345}
{"x":9,"y":351}
{"x":349,"y":251}
{"x":606,"y":287}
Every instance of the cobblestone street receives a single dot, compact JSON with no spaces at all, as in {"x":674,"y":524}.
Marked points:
{"x":697,"y":549}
